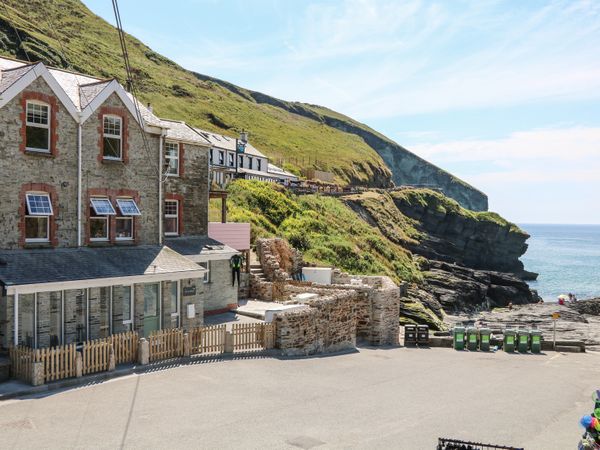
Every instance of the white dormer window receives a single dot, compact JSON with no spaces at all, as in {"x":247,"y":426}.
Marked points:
{"x":172,"y":159}
{"x":259,"y":164}
{"x":37,"y":133}
{"x":221,"y":157}
{"x":230,"y":159}
{"x":249,"y":162}
{"x":112,"y":137}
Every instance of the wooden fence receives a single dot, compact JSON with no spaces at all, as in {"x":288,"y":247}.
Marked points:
{"x":125,"y":346}
{"x":253,"y":336}
{"x":165,"y":344}
{"x":96,"y":355}
{"x":206,"y":340}
{"x":59,"y":362}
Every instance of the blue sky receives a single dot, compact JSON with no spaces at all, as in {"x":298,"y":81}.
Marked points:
{"x":504,"y":94}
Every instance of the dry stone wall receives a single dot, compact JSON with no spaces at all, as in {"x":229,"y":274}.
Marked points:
{"x":278,"y":259}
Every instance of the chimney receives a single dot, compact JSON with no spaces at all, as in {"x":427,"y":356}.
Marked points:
{"x":150,"y":108}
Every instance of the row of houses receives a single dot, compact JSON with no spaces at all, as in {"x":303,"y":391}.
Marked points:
{"x":104,"y":211}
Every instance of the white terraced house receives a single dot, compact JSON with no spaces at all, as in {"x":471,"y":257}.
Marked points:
{"x":104,"y":213}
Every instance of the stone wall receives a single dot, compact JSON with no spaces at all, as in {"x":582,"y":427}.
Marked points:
{"x":220,"y":295}
{"x":370,"y":309}
{"x":325,"y":325}
{"x":279,"y":260}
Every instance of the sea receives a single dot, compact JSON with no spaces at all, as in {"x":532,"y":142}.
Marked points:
{"x":567,"y":258}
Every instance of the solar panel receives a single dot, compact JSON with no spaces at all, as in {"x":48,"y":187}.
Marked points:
{"x":103,"y":207}
{"x":39,"y":205}
{"x":128,"y":207}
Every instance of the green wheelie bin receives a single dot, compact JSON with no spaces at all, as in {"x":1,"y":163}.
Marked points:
{"x":459,"y":338}
{"x":484,"y":339}
{"x":523,"y":340}
{"x":472,"y":339}
{"x":536,"y":341}
{"x":509,"y":340}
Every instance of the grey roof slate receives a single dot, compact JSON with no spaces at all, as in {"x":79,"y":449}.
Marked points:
{"x":183,"y":132}
{"x":227,"y":143}
{"x":20,"y":267}
{"x":9,"y":76}
{"x":88,"y":92}
{"x":196,"y":245}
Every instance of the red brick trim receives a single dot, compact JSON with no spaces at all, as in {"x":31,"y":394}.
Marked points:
{"x":179,"y":198}
{"x":122,"y":113}
{"x":221,"y":310}
{"x":50,"y":100}
{"x":181,"y":159}
{"x":112,"y":195}
{"x":38,"y":187}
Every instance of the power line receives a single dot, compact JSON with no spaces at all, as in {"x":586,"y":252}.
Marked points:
{"x":16,"y":31}
{"x":131,"y":86}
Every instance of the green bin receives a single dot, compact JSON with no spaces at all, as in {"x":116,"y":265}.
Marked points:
{"x":485,"y":335}
{"x":523,"y":341}
{"x":472,"y":339}
{"x":510,"y":336}
{"x":459,"y":338}
{"x":536,"y":341}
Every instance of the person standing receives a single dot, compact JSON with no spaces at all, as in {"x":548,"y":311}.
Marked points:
{"x":236,"y":266}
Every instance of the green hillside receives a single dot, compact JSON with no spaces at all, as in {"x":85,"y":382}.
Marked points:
{"x":65,"y":33}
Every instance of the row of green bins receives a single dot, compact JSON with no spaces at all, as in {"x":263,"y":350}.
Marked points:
{"x":475,"y":338}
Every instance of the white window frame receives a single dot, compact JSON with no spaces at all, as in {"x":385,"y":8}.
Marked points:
{"x":230,"y":159}
{"x":101,"y":217}
{"x":39,"y":125}
{"x":259,"y":164}
{"x":177,"y":303}
{"x":113,"y":136}
{"x":123,"y":200}
{"x":173,"y":216}
{"x":169,"y":158}
{"x":125,"y":238}
{"x":29,"y":215}
{"x":250,"y":162}
{"x":205,"y":265}
{"x":221,"y":158}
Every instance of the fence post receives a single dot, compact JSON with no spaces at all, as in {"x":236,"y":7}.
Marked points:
{"x":187,"y":344}
{"x":78,"y":364}
{"x":111,"y":358}
{"x":37,"y":373}
{"x":144,"y":352}
{"x":228,"y":342}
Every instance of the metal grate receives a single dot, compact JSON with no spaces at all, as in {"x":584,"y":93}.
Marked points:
{"x":454,"y":444}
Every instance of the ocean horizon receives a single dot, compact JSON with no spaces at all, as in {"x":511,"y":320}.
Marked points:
{"x":566,"y":257}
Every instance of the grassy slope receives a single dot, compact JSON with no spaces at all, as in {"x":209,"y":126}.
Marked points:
{"x":90,"y":45}
{"x":323,"y":228}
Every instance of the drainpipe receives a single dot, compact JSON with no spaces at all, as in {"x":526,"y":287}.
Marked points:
{"x":160,"y":188}
{"x":16,"y":327}
{"x":79,"y":185}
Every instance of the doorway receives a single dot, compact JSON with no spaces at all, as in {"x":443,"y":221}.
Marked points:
{"x":151,"y":308}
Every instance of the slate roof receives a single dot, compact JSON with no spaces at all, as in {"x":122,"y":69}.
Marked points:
{"x":198,"y":245}
{"x":183,"y":132}
{"x":227,"y":143}
{"x":274,"y":170}
{"x":21,"y":267}
{"x":88,"y":92}
{"x":71,"y":82}
{"x":9,"y":76}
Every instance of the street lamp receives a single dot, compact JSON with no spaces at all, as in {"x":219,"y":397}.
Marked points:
{"x":240,"y":147}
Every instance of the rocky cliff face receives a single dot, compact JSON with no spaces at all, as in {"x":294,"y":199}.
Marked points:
{"x":469,"y":260}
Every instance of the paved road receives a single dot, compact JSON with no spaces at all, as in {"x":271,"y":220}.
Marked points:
{"x":395,"y":398}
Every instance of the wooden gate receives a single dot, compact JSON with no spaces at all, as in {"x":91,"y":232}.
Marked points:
{"x":21,"y":363}
{"x":165,"y":344}
{"x":205,"y":340}
{"x":253,"y":336}
{"x":59,"y":362}
{"x":125,"y":346}
{"x":96,"y":355}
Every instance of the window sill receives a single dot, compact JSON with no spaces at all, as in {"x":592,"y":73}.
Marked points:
{"x":42,"y":153}
{"x":112,"y":161}
{"x":31,"y":245}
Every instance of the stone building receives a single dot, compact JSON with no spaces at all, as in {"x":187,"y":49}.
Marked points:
{"x":104,"y":213}
{"x":232,"y":158}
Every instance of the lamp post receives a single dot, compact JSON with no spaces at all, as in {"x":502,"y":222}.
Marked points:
{"x":240,"y":147}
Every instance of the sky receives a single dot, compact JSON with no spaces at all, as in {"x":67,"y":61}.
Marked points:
{"x":504,"y":94}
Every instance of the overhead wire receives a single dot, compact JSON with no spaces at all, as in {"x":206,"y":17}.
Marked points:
{"x":15,"y":30}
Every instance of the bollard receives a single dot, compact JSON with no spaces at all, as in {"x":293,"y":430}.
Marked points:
{"x":187,"y":344}
{"x":228,"y":342}
{"x":37,"y":373}
{"x":111,"y":359}
{"x":78,"y":364}
{"x":144,"y":352}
